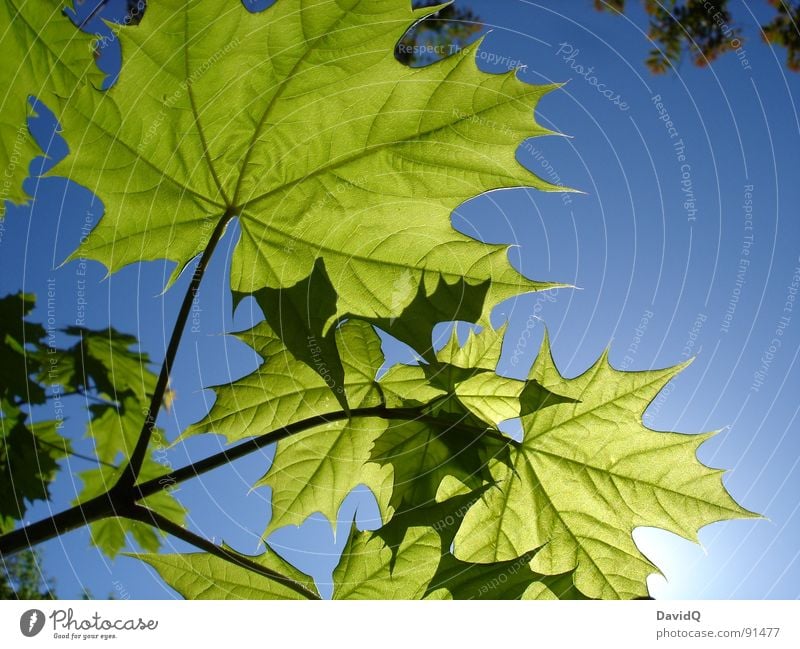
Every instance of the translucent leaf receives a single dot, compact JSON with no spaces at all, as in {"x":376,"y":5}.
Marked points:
{"x":586,"y":474}
{"x":49,"y":56}
{"x":370,"y":195}
{"x":204,"y":576}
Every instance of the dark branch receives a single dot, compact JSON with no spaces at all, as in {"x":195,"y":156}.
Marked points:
{"x":129,"y":476}
{"x":145,"y":515}
{"x":120,"y":500}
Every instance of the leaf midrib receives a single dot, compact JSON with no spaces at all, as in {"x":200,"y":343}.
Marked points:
{"x":193,"y":103}
{"x":278,"y":93}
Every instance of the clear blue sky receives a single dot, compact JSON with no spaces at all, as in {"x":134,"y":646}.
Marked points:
{"x":655,"y":245}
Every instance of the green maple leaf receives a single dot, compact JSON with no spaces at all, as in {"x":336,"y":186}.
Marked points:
{"x":305,"y":183}
{"x":343,"y":168}
{"x":461,"y":381}
{"x":370,"y":569}
{"x":284,"y":390}
{"x":49,"y":57}
{"x":204,"y":576}
{"x":513,"y":579}
{"x":585,"y":475}
{"x":446,"y":300}
{"x":480,"y":351}
{"x":115,"y":428}
{"x":315,"y":471}
{"x":29,"y":454}
{"x":409,"y":558}
{"x":102,"y":360}
{"x":303,"y":314}
{"x":423,"y":453}
{"x":17,"y":363}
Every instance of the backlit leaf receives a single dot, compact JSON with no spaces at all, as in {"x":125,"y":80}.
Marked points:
{"x":585,"y":475}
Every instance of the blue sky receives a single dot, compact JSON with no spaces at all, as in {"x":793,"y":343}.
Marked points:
{"x":655,"y":244}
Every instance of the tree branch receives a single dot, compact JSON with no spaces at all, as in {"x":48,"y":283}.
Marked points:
{"x":120,"y":500}
{"x":80,"y":515}
{"x":196,"y":469}
{"x":131,"y":472}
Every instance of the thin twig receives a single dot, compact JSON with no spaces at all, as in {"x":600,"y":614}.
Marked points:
{"x":75,"y":454}
{"x":145,"y":515}
{"x":131,"y":473}
{"x":86,"y":395}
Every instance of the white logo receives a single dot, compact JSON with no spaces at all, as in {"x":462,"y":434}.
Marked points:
{"x":31,"y":622}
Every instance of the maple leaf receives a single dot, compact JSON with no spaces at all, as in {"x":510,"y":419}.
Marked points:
{"x":371,"y":195}
{"x":314,"y":472}
{"x":16,"y":362}
{"x":409,"y":558}
{"x":199,"y":575}
{"x":101,"y":360}
{"x":29,"y":452}
{"x":343,"y":168}
{"x":284,"y":390}
{"x":585,"y":475}
{"x":51,"y":57}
